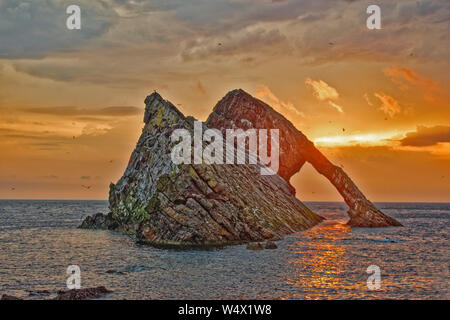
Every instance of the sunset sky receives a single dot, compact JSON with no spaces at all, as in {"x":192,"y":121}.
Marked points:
{"x":376,"y":102}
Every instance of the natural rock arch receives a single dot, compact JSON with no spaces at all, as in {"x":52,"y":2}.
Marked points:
{"x":239,"y":109}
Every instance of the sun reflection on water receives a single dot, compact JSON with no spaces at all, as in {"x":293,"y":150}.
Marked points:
{"x":318,"y":264}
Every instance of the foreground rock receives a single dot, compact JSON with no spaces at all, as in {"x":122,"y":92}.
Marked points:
{"x":163,"y":203}
{"x":74,"y":294}
{"x":200,"y":204}
{"x":8,"y":297}
{"x":255,"y":246}
{"x":270,"y":245}
{"x":238,"y":109}
{"x":82,"y":294}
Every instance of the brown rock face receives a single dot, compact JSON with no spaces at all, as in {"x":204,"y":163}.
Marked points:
{"x":238,"y":109}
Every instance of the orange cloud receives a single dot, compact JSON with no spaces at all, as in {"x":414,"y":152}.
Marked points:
{"x":336,"y":106}
{"x":324,"y":92}
{"x":389,"y":105}
{"x":264,"y":93}
{"x":404,"y":77}
{"x":366,"y":97}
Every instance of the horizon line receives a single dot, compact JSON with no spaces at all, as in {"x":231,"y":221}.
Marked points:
{"x":336,"y":201}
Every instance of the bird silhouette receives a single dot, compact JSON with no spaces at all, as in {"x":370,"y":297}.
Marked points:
{"x":86,"y":187}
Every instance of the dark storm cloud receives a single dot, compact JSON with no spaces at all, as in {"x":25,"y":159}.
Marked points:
{"x":427,"y":136}
{"x":32,"y":29}
{"x":37,"y":29}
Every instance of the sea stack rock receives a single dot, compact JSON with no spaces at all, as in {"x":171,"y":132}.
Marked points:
{"x":239,"y":109}
{"x":165,"y":203}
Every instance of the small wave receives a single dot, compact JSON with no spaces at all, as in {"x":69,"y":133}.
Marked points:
{"x":385,"y":240}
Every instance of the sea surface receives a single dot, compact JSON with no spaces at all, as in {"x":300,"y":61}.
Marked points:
{"x":39,"y":239}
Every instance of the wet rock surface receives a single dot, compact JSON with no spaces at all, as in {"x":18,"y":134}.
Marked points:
{"x":99,"y":221}
{"x":82,"y":294}
{"x":239,"y":109}
{"x":255,"y":246}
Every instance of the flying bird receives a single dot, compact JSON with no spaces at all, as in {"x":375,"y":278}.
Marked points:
{"x":86,"y":187}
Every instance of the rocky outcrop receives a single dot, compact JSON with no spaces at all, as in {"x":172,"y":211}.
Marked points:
{"x":198,"y":204}
{"x":164,"y":203}
{"x":238,"y":109}
{"x":82,"y":294}
{"x":100,"y":221}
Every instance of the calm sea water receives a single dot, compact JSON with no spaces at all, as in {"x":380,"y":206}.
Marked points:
{"x":39,"y":240}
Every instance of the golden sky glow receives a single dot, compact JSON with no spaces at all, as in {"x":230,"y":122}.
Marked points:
{"x":374,"y":101}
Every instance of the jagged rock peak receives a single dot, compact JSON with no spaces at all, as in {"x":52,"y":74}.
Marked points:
{"x":154,"y":103}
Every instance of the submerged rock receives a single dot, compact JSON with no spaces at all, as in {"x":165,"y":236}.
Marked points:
{"x":198,"y":204}
{"x":115,"y":272}
{"x":255,"y":246}
{"x":238,"y":109}
{"x":38,"y":293}
{"x":99,"y":221}
{"x":270,"y":245}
